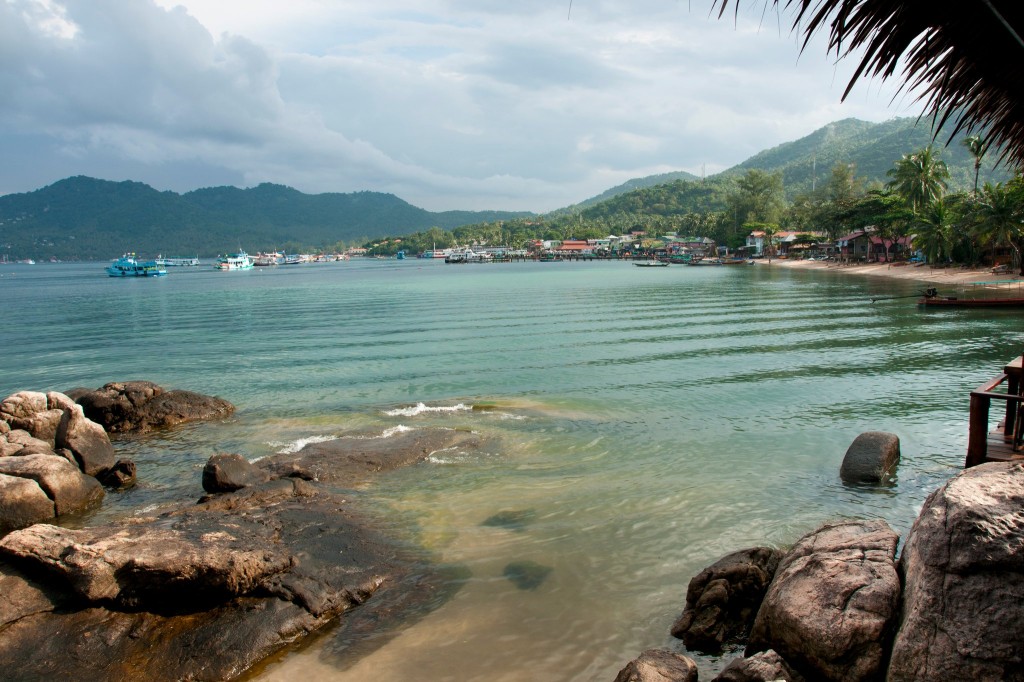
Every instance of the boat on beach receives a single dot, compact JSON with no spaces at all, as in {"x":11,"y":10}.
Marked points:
{"x":128,"y":266}
{"x":234,"y":261}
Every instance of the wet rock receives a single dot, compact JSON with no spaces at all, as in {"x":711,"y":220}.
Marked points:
{"x":86,"y":440}
{"x":765,"y":666}
{"x":657,"y":665}
{"x":832,"y":607}
{"x":871,"y":458}
{"x":516,"y":520}
{"x":121,"y":476}
{"x":963,"y":568}
{"x":723,"y":599}
{"x":225,"y":473}
{"x":70,"y":490}
{"x":22,"y":503}
{"x":355,"y":460}
{"x":142,"y":405}
{"x":526,"y":575}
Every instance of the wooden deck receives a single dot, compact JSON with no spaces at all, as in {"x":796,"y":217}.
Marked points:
{"x":1006,"y":441}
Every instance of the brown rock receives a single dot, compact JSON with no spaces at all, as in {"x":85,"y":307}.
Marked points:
{"x":225,"y":473}
{"x":22,"y":503}
{"x":86,"y":440}
{"x":19,"y":442}
{"x":120,"y":476}
{"x":764,"y":666}
{"x":657,"y":665}
{"x":19,"y":407}
{"x":723,"y":599}
{"x":832,"y":606}
{"x":142,"y":405}
{"x":69,"y":488}
{"x":963,"y":568}
{"x":871,"y":458}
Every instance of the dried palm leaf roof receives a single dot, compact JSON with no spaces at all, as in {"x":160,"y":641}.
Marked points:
{"x":964,"y":57}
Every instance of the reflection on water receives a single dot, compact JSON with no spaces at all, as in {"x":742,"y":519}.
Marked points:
{"x":634,"y":427}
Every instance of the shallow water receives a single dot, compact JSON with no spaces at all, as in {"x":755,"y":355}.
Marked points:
{"x":642,"y":422}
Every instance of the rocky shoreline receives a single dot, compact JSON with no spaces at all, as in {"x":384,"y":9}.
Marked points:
{"x":204,"y":591}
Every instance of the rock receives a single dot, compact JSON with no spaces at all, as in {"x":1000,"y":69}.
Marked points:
{"x":19,"y":443}
{"x":832,"y":607}
{"x":871,"y":458}
{"x":353,"y":461}
{"x":515,"y":520}
{"x":723,"y":599}
{"x":142,"y":405}
{"x":120,"y":476}
{"x":86,"y":440}
{"x":225,"y":473}
{"x":526,"y":575}
{"x":69,"y":488}
{"x":22,"y":503}
{"x":19,"y":408}
{"x":963,"y":569}
{"x":764,"y":666}
{"x":658,"y":665}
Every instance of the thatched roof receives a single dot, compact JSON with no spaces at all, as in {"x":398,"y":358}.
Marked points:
{"x":964,"y":56}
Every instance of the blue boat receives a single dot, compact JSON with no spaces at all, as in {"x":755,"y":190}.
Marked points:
{"x":128,"y":266}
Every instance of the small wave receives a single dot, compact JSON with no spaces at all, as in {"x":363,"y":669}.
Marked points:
{"x":421,"y":408}
{"x":295,"y":446}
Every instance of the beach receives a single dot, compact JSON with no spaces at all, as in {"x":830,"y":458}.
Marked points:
{"x":922,"y":273}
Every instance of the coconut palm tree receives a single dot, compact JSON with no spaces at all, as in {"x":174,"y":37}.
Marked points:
{"x":933,"y":232}
{"x":977,"y":148}
{"x":920,"y":178}
{"x":996,"y":217}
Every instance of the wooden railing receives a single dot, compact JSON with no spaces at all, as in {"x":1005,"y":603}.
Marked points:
{"x":1004,"y":442}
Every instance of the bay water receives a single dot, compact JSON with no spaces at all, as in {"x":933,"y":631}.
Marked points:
{"x":639,"y":423}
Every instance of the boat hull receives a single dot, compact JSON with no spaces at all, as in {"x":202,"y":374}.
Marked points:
{"x":946,"y":302}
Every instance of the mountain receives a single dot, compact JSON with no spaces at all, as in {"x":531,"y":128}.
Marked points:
{"x":83,"y":218}
{"x":629,"y":186}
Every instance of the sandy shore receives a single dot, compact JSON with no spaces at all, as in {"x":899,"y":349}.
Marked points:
{"x":921,"y":273}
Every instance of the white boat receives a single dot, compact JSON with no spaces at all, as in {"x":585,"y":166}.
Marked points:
{"x":128,"y":266}
{"x":177,"y":262}
{"x":263,"y":259}
{"x":468,"y":256}
{"x":234,"y":261}
{"x":652,"y":264}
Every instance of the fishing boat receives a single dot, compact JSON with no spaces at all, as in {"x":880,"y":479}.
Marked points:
{"x":234,"y":261}
{"x":265,"y":259}
{"x":652,"y":264}
{"x":128,"y":266}
{"x":931,"y":298}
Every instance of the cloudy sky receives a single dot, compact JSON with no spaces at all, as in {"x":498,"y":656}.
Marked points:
{"x":449,"y":104}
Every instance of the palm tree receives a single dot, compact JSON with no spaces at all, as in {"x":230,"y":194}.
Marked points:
{"x":920,"y":178}
{"x":977,"y":147}
{"x":933,"y":232}
{"x":997,"y":215}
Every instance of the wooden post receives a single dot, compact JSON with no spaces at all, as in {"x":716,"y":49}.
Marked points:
{"x":977,"y":436}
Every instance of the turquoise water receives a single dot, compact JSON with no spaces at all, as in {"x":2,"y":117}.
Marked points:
{"x":648,"y":420}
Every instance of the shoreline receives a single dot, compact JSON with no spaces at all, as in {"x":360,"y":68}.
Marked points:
{"x":920,"y":273}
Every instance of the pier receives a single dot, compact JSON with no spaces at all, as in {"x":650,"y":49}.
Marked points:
{"x":1004,"y":442}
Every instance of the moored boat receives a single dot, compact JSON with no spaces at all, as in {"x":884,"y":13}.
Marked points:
{"x":177,"y":261}
{"x":128,"y":266}
{"x":234,"y":261}
{"x":652,"y":264}
{"x":264,"y":259}
{"x":931,"y":298}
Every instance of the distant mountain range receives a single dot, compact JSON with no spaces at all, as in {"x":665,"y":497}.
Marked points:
{"x":88,"y":219}
{"x":83,"y":218}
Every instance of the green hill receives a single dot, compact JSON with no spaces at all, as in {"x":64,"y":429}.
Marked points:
{"x":83,"y":218}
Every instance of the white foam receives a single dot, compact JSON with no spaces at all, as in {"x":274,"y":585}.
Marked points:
{"x":295,"y":446}
{"x":421,"y":408}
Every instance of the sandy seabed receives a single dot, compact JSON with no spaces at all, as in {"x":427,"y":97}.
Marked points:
{"x":922,"y":273}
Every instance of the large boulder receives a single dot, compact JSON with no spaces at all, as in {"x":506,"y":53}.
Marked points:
{"x":871,"y":458}
{"x":225,"y":473}
{"x":86,"y":440}
{"x":832,"y":607}
{"x":19,"y":442}
{"x":18,"y":409}
{"x":963,"y":568}
{"x":764,"y":666}
{"x":657,"y":665}
{"x":142,"y":405}
{"x":22,"y":503}
{"x":723,"y":599}
{"x":70,"y":489}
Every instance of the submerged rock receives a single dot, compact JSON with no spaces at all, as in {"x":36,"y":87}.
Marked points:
{"x":871,"y":458}
{"x":516,"y":520}
{"x":963,"y":567}
{"x":526,"y":575}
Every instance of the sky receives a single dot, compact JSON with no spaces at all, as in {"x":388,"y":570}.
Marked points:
{"x":449,"y":104}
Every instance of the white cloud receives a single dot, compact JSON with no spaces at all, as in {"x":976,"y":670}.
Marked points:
{"x":446,"y":103}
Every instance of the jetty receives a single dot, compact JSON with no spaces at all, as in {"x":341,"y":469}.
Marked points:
{"x":1004,"y":442}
